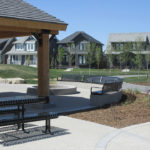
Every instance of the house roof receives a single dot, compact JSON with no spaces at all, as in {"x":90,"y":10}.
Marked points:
{"x":19,"y":9}
{"x":3,"y":40}
{"x":8,"y":41}
{"x":128,"y":37}
{"x":71,"y":38}
{"x":14,"y":52}
{"x":23,"y":39}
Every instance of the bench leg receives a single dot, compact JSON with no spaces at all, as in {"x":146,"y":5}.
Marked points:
{"x":18,"y":124}
{"x":23,"y":120}
{"x":47,"y":126}
{"x":22,"y":117}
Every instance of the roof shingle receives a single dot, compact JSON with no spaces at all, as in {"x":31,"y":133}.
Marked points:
{"x":19,"y":9}
{"x":71,"y":37}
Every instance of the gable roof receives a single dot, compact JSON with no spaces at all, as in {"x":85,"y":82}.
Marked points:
{"x":8,"y":42}
{"x":19,"y":9}
{"x":3,"y":40}
{"x":23,"y":39}
{"x":71,"y":37}
{"x":128,"y":37}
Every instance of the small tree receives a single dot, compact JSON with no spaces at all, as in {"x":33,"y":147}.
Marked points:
{"x":126,"y":53}
{"x":60,"y":55}
{"x":138,"y":58}
{"x":98,"y":56}
{"x":90,"y":54}
{"x":110,"y":57}
{"x":71,"y":56}
{"x":53,"y":62}
{"x":147,"y":57}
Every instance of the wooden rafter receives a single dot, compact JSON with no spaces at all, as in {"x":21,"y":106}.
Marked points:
{"x":18,"y":29}
{"x":4,"y":34}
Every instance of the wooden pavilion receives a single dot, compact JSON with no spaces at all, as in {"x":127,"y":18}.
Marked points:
{"x":18,"y":18}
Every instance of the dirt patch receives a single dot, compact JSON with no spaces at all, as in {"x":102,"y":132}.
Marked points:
{"x":133,"y":109}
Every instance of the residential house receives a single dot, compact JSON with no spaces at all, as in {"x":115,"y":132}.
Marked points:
{"x":24,"y":51}
{"x":75,"y":45}
{"x":117,"y":42}
{"x":5,"y":46}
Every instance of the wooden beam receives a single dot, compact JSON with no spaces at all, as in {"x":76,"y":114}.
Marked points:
{"x":17,"y":29}
{"x":43,"y":65}
{"x":20,"y":23}
{"x":13,"y":34}
{"x":54,"y":32}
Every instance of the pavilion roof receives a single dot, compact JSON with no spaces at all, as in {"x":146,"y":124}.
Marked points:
{"x":19,"y":9}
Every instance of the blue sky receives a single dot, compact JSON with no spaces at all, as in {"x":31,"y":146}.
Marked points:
{"x":99,"y":17}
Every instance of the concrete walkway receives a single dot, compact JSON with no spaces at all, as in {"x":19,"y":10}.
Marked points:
{"x":140,"y":88}
{"x":134,"y":137}
{"x":73,"y":134}
{"x":78,"y":135}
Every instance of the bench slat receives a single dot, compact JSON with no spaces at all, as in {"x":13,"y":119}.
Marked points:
{"x":11,"y":120}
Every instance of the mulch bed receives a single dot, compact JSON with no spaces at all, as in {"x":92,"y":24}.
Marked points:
{"x":133,"y":109}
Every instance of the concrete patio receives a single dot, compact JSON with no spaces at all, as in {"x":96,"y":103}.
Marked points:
{"x":70,"y":133}
{"x":76,"y":134}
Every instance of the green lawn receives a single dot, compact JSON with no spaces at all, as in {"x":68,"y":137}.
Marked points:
{"x":30,"y":73}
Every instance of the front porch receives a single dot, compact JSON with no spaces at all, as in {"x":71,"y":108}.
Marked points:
{"x":29,"y":59}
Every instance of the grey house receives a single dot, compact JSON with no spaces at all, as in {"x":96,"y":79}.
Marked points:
{"x":5,"y":46}
{"x":75,"y":45}
{"x":117,"y":41}
{"x":23,"y":52}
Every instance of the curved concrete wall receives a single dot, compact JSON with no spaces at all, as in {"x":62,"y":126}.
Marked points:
{"x":106,"y":98}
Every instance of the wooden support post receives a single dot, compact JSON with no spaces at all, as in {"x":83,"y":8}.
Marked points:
{"x":43,"y":65}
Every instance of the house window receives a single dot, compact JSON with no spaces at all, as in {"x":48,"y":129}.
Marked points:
{"x":117,"y":46}
{"x":134,"y":46}
{"x":28,"y":46}
{"x":32,"y":46}
{"x":73,"y":46}
{"x":82,"y":60}
{"x":121,"y":46}
{"x":18,"y":46}
{"x":16,"y":58}
{"x":81,"y":46}
{"x":66,"y":59}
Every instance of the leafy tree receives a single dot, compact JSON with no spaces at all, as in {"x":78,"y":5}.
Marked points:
{"x":90,"y":54}
{"x":120,"y":60}
{"x":147,"y":57}
{"x":98,"y":56}
{"x":138,"y":58}
{"x":110,"y":57}
{"x":53,"y":62}
{"x":126,"y":53}
{"x":71,"y":56}
{"x":60,"y":55}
